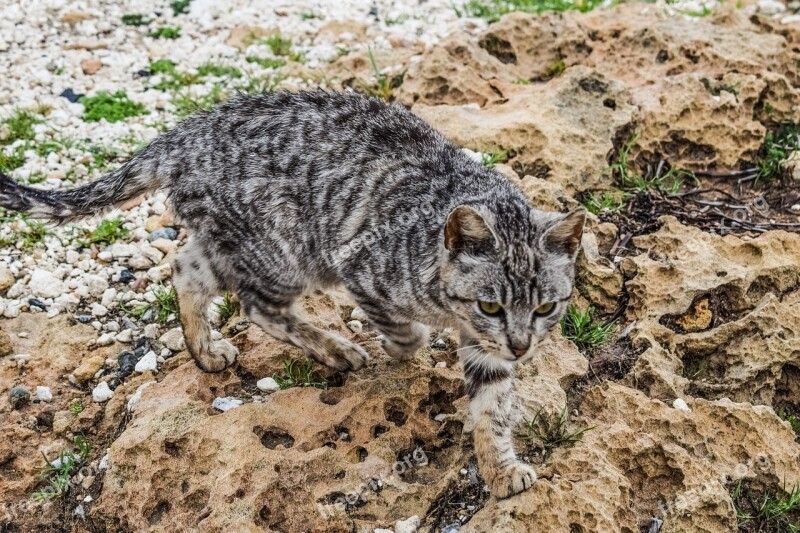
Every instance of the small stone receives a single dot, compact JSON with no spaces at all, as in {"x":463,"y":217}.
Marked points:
{"x":165,"y":246}
{"x":164,"y":233}
{"x":355,"y":326}
{"x":410,"y":525}
{"x":147,"y":363}
{"x":44,"y":393}
{"x":126,"y":363}
{"x":452,"y":528}
{"x":441,"y":364}
{"x":18,"y":396}
{"x":99,"y":309}
{"x":90,"y":65}
{"x":358,"y":314}
{"x":174,"y":340}
{"x":463,"y":471}
{"x":126,"y":335}
{"x":126,"y":276}
{"x":83,"y":319}
{"x":97,"y":285}
{"x":267,"y":385}
{"x":681,"y":405}
{"x":35,"y":302}
{"x":439,"y":344}
{"x":79,"y":512}
{"x":71,"y":96}
{"x":225,"y":404}
{"x":381,"y":530}
{"x":7,"y":279}
{"x":88,"y":368}
{"x":45,"y":285}
{"x":5,"y":344}
{"x":151,"y":331}
{"x":102,"y":393}
{"x":106,"y":339}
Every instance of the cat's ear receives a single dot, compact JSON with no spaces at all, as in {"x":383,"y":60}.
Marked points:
{"x":467,"y":231}
{"x":564,"y":235}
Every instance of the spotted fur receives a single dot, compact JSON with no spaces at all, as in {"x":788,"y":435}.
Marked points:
{"x":284,"y":193}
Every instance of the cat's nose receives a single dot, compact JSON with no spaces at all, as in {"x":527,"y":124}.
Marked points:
{"x":519,"y":352}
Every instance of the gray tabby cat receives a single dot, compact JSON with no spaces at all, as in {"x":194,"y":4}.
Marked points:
{"x":284,"y":193}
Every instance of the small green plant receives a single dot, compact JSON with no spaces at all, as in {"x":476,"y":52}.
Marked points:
{"x":793,"y":420}
{"x":19,"y":126}
{"x":629,"y":178}
{"x":267,"y":62}
{"x":180,"y":7}
{"x":383,"y":87}
{"x":521,"y":81}
{"x":604,"y":202}
{"x":75,"y":407}
{"x":548,"y":432}
{"x":57,"y":474}
{"x":779,"y":146}
{"x":108,"y":231}
{"x":221,"y":71}
{"x":185,"y":104}
{"x":227,"y":308}
{"x":772,"y":512}
{"x":166,"y":32}
{"x":491,"y":159}
{"x":260,"y":84}
{"x":160,"y":310}
{"x":299,"y":374}
{"x":162,"y":66}
{"x":135,"y":19}
{"x":34,"y":233}
{"x":555,"y":70}
{"x":492,"y":10}
{"x":581,"y":327}
{"x":111,"y":107}
{"x":279,"y":45}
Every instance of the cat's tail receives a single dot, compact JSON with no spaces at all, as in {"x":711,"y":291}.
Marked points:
{"x":137,"y":176}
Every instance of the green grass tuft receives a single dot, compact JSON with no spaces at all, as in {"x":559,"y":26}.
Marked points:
{"x":135,"y":19}
{"x":221,"y":71}
{"x":491,"y":159}
{"x":107,"y":232}
{"x":580,"y":327}
{"x":166,"y":32}
{"x":267,"y":62}
{"x":779,"y":146}
{"x":186,"y":104}
{"x":548,"y":432}
{"x":280,"y":46}
{"x":299,"y":374}
{"x":383,"y":86}
{"x":492,"y":10}
{"x":769,"y":512}
{"x":180,"y":7}
{"x":604,"y":202}
{"x":555,"y":70}
{"x":629,"y":178}
{"x":75,"y":407}
{"x":228,"y":308}
{"x":165,"y":305}
{"x":58,"y":477}
{"x":111,"y":107}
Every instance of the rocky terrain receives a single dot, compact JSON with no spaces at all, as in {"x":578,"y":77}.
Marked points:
{"x":670,"y":400}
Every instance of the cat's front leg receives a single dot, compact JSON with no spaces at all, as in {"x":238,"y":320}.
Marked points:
{"x":488,"y":382}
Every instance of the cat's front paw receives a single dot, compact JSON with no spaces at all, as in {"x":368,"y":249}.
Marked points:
{"x":512,"y":480}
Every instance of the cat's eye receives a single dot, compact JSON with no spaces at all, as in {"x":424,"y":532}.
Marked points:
{"x":544,"y":309}
{"x":490,"y":308}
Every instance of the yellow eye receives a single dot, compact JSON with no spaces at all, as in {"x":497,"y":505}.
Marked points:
{"x":544,"y":309}
{"x":490,"y":308}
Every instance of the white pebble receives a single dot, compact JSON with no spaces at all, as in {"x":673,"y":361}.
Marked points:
{"x":225,"y":404}
{"x":410,"y":525}
{"x":441,"y":364}
{"x":358,"y":314}
{"x":355,"y":326}
{"x":267,"y":385}
{"x":44,"y":394}
{"x":147,"y":363}
{"x":106,"y":339}
{"x":681,"y":405}
{"x":102,"y":393}
{"x":99,"y":310}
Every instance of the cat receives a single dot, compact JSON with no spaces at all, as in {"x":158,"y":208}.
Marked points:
{"x":287,"y":192}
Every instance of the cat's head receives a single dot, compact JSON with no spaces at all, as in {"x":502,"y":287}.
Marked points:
{"x":507,"y":273}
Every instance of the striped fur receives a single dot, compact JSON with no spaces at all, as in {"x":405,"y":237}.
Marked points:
{"x":284,"y":193}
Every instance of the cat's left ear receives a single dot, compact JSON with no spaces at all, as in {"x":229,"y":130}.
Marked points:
{"x":564,"y":235}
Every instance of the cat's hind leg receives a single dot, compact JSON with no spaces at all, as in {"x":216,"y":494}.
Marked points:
{"x":275,"y":315}
{"x":196,"y":285}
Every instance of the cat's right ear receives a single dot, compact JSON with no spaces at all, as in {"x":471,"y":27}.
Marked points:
{"x":466,"y":230}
